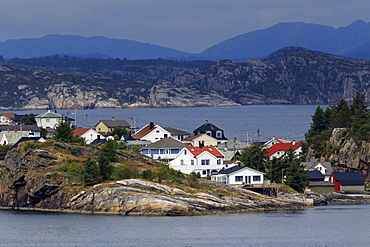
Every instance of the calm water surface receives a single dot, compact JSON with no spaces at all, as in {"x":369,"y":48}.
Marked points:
{"x":334,"y":225}
{"x":289,"y":121}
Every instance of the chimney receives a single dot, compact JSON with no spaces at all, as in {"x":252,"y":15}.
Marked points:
{"x":293,"y":143}
{"x":206,"y":121}
{"x":113,"y":119}
{"x":151,"y":125}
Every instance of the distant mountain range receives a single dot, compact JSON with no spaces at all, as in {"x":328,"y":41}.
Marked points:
{"x":292,"y":75}
{"x":351,"y":41}
{"x":97,"y":46}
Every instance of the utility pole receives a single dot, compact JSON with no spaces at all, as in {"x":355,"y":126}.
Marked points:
{"x":86,"y":120}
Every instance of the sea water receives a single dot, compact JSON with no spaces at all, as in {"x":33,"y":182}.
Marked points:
{"x":333,"y":225}
{"x":261,"y":122}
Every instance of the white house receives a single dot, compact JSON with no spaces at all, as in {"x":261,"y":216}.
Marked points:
{"x":48,"y":119}
{"x":88,"y":134}
{"x":12,"y":137}
{"x":205,"y":160}
{"x":152,"y":133}
{"x":239,"y":175}
{"x":279,"y":149}
{"x":166,"y":148}
{"x":324,"y":167}
{"x":275,"y":140}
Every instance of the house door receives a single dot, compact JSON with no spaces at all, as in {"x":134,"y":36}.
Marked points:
{"x":248,"y":179}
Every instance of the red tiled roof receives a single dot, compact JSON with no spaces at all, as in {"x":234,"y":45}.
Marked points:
{"x":143,"y":132}
{"x":8,"y":114}
{"x":80,"y":131}
{"x":282,"y":147}
{"x":196,"y":151}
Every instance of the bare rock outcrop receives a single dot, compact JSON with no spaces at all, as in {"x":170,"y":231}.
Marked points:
{"x":346,"y":155}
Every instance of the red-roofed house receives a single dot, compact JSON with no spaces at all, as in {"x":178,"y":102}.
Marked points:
{"x":275,"y":140}
{"x":205,"y":160}
{"x":7,"y":118}
{"x":88,"y":134}
{"x":151,"y":132}
{"x":279,"y":149}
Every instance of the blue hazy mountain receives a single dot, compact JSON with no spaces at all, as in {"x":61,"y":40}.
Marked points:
{"x":85,"y":46}
{"x":258,"y":44}
{"x":352,"y":41}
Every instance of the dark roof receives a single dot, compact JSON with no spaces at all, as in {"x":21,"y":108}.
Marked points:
{"x":19,"y":127}
{"x":25,"y":139}
{"x":127,"y":137}
{"x":209,"y":127}
{"x":115,"y":123}
{"x":98,"y":142}
{"x":313,"y":175}
{"x":167,"y":142}
{"x":18,"y":118}
{"x":231,"y":169}
{"x":176,"y":131}
{"x":348,"y":178}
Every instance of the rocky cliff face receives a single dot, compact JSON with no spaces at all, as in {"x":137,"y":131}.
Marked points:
{"x":345,"y":154}
{"x":30,"y":179}
{"x":291,"y":75}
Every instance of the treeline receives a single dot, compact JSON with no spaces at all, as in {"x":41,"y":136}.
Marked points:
{"x":285,"y":169}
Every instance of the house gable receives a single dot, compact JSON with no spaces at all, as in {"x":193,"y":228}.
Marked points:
{"x":210,"y":130}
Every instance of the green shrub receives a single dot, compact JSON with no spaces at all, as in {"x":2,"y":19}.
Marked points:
{"x":122,"y":172}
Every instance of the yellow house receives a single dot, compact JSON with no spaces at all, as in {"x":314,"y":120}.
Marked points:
{"x":105,"y":126}
{"x":200,"y":140}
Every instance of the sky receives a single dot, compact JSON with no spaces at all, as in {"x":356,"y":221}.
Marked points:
{"x":186,"y":25}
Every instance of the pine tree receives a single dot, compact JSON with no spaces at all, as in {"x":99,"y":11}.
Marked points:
{"x":105,"y":168}
{"x":91,"y":172}
{"x":254,"y":157}
{"x":63,"y":131}
{"x":296,"y":176}
{"x":109,"y":150}
{"x":318,"y":123}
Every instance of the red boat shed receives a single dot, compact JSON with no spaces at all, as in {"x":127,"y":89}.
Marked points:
{"x":347,"y":181}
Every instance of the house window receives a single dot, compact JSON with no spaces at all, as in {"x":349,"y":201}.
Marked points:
{"x":238,"y":178}
{"x":205,"y":162}
{"x":204,"y":172}
{"x":185,"y":152}
{"x":165,"y":135}
{"x":256,"y":178}
{"x":209,"y":133}
{"x":48,"y":120}
{"x":219,"y":134}
{"x":192,"y":162}
{"x":182,"y":162}
{"x":168,"y":151}
{"x":157,"y":131}
{"x":218,"y":161}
